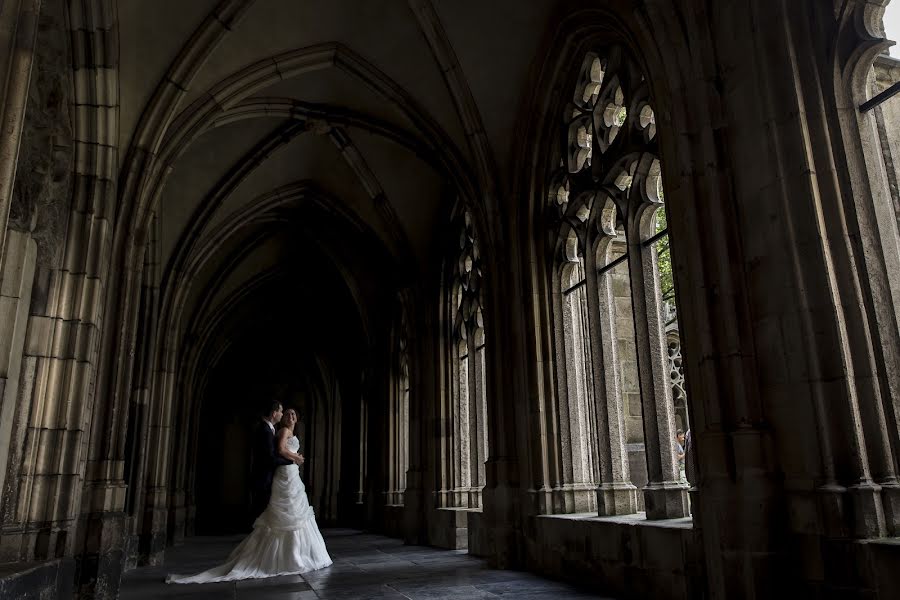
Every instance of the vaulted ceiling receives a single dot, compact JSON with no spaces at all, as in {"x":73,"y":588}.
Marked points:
{"x":344,"y":121}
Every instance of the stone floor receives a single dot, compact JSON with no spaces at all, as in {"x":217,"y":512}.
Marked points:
{"x":365,"y":566}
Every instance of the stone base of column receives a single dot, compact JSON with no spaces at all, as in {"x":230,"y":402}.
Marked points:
{"x":502,"y":513}
{"x":890,"y":498}
{"x":503,"y":535}
{"x":152,"y":541}
{"x":132,"y":555}
{"x":415,"y":530}
{"x":830,"y":501}
{"x":101,"y":561}
{"x":667,"y":500}
{"x":617,"y":499}
{"x":694,"y":497}
{"x":572,"y":498}
{"x":449,"y":528}
{"x":176,"y":523}
{"x":868,"y":512}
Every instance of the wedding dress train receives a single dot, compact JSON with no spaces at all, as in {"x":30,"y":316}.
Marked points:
{"x":285,"y":538}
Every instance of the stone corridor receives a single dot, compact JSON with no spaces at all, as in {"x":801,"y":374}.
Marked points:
{"x":365,"y":566}
{"x":604,"y":291}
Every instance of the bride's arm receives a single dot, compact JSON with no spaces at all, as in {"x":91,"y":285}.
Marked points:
{"x":283,"y":435}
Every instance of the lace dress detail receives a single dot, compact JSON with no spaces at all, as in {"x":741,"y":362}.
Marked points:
{"x":285,"y":538}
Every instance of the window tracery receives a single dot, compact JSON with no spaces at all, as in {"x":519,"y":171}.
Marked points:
{"x":606,"y":202}
{"x":467,"y":443}
{"x":398,"y":423}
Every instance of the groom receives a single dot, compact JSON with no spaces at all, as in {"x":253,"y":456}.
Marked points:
{"x":265,"y":459}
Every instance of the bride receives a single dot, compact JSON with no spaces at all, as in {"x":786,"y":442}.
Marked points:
{"x":285,"y":538}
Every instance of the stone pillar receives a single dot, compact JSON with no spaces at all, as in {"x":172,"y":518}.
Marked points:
{"x":18,"y":31}
{"x":616,"y":495}
{"x":503,"y":495}
{"x":665,"y":496}
{"x":887,"y":119}
{"x":159,"y":434}
{"x":628,"y":367}
{"x":574,"y":472}
{"x":15,"y":299}
{"x":870,"y":145}
{"x":785,"y":296}
{"x":137,"y":452}
{"x":417,"y":501}
{"x":477,"y":427}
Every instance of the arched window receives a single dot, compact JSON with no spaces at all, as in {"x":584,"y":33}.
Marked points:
{"x":465,"y":444}
{"x":398,"y":418}
{"x":608,"y":217}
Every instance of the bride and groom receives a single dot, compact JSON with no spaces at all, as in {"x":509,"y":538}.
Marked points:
{"x":285,"y":538}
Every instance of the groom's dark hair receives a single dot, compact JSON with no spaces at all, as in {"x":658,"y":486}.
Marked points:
{"x":271,"y":407}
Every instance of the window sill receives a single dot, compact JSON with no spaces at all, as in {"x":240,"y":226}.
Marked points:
{"x":637,"y":519}
{"x":462,"y":509}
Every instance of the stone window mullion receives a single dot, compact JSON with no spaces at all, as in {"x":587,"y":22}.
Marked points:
{"x":555,"y":426}
{"x":482,"y":417}
{"x":476,"y":459}
{"x":392,"y":442}
{"x":404,"y":439}
{"x":615,"y":493}
{"x":449,"y":445}
{"x":664,"y":495}
{"x":571,"y":404}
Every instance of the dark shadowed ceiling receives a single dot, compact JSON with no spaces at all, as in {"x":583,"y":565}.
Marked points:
{"x":352,"y":124}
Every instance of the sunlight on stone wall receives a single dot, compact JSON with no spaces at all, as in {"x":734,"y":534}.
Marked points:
{"x":892,"y":26}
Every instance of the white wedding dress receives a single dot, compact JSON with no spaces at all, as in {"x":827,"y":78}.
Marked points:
{"x":285,"y":538}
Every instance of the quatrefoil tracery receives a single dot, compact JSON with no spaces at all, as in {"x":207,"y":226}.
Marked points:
{"x":608,"y":180}
{"x":468,"y":314}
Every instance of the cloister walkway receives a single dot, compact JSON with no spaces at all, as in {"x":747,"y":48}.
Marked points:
{"x":365,"y":566}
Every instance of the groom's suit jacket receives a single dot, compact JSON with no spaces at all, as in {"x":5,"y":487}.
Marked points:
{"x":265,"y":458}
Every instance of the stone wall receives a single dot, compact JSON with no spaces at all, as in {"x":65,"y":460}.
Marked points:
{"x":15,"y":299}
{"x":789,"y":322}
{"x":43,"y":182}
{"x":626,"y":556}
{"x":887,"y":117}
{"x":38,"y":581}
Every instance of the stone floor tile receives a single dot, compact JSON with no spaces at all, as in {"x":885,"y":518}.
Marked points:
{"x":367,"y":592}
{"x":440,"y":593}
{"x":289,"y":583}
{"x":366,"y":566}
{"x":264,"y":594}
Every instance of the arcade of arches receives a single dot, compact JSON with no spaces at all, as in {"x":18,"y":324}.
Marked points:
{"x":500,"y":256}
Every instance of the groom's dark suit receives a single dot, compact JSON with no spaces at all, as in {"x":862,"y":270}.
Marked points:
{"x":264,"y":461}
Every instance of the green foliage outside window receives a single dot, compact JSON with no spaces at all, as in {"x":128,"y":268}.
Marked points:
{"x":664,"y":262}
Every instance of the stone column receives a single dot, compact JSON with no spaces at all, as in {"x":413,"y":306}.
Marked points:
{"x":137,"y":438}
{"x":887,"y":116}
{"x":476,"y":426}
{"x":18,"y":31}
{"x":549,"y":469}
{"x":159,"y":434}
{"x":665,"y":496}
{"x":616,"y":495}
{"x":575,"y":490}
{"x":877,"y":199}
{"x":503,"y":496}
{"x":15,"y":300}
{"x":422,"y":432}
{"x":391,"y":451}
{"x":459,"y":446}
